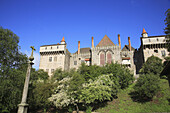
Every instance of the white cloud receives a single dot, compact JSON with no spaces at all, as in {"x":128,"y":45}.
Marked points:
{"x":36,"y":58}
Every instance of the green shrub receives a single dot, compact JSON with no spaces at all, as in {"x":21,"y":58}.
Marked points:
{"x":123,"y":74}
{"x":152,"y":65}
{"x":147,"y":86}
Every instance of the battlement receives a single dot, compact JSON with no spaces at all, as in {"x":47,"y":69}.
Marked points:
{"x":106,"y":47}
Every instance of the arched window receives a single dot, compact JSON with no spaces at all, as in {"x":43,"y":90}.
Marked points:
{"x":102,"y":58}
{"x":109,"y":58}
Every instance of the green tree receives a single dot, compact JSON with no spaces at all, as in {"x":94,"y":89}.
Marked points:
{"x":167,"y":28}
{"x":152,"y":65}
{"x":147,"y":86}
{"x":12,"y":64}
{"x":120,"y":72}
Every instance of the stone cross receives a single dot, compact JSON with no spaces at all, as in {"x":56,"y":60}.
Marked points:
{"x":23,"y":106}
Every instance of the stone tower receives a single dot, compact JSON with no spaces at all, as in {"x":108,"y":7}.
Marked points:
{"x":54,"y":56}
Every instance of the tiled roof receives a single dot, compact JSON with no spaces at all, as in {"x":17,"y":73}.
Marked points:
{"x":105,"y":42}
{"x":83,"y":50}
{"x":143,"y":31}
{"x":126,"y":48}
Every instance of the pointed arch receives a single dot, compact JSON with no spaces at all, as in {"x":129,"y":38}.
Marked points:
{"x":109,"y":57}
{"x":102,"y":58}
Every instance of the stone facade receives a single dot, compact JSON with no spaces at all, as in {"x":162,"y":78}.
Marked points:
{"x":57,"y":56}
{"x":150,"y":45}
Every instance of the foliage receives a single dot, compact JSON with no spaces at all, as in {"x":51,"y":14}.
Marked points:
{"x":12,"y":64}
{"x":38,"y":97}
{"x":167,"y":22}
{"x":125,"y":104}
{"x":123,"y":74}
{"x":98,"y":90}
{"x":38,"y":75}
{"x":152,"y":65}
{"x":89,"y":85}
{"x":167,"y":28}
{"x":60,"y":97}
{"x":59,"y":74}
{"x":147,"y":86}
{"x":90,"y":72}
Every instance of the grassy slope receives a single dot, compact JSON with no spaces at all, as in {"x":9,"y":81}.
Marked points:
{"x":124,"y":103}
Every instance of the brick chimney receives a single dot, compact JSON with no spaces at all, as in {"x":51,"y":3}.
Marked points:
{"x":92,"y":42}
{"x":78,"y":47}
{"x":119,"y":41}
{"x":129,"y":43}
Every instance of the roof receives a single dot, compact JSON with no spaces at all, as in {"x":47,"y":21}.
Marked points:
{"x":105,"y":42}
{"x":143,"y":31}
{"x":126,"y":48}
{"x":84,"y":50}
{"x":63,"y":40}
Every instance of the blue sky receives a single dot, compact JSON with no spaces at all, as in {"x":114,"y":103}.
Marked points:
{"x":43,"y":22}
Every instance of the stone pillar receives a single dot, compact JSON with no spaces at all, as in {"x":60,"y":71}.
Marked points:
{"x":119,"y":41}
{"x":129,"y":44}
{"x":23,"y":106}
{"x":78,"y":47}
{"x":92,"y":42}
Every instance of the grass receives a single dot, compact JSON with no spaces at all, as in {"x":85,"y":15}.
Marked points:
{"x":125,"y":104}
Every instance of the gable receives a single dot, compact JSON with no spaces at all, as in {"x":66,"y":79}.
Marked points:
{"x":105,"y":42}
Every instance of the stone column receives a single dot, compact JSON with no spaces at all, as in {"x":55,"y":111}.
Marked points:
{"x":23,"y":106}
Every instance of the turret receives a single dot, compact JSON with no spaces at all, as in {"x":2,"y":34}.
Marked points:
{"x":144,"y":33}
{"x":63,"y":41}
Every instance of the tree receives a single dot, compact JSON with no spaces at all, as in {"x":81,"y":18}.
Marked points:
{"x":167,"y":28}
{"x":152,"y":65}
{"x":12,"y":64}
{"x":147,"y":86}
{"x":122,"y":73}
{"x":167,"y":22}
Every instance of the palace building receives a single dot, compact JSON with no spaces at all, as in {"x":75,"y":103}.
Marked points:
{"x":57,"y":56}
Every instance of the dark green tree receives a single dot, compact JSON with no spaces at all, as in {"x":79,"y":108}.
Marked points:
{"x":146,"y":87}
{"x":167,"y":28}
{"x":152,"y":65}
{"x":12,"y":74}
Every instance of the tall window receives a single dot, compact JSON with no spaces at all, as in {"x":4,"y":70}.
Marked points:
{"x":102,"y":59}
{"x":50,"y":59}
{"x":109,"y":58}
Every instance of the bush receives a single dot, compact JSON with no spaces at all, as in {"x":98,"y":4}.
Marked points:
{"x":152,"y":65}
{"x":147,"y":86}
{"x":123,"y":74}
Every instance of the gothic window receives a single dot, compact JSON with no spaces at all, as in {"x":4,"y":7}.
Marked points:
{"x":102,"y":59}
{"x":109,"y":58}
{"x":45,"y":48}
{"x":55,"y":58}
{"x":51,"y":47}
{"x":50,"y":59}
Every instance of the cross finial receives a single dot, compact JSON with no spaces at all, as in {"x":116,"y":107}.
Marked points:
{"x":31,"y":58}
{"x":33,"y":49}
